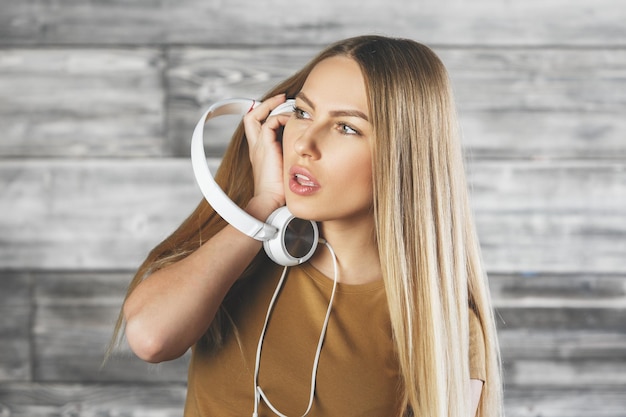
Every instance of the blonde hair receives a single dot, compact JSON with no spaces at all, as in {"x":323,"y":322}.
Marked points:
{"x":430,"y":256}
{"x":432,"y":266}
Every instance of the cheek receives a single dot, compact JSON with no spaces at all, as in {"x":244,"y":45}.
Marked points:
{"x":289,"y":131}
{"x":368,"y":184}
{"x":368,"y":180}
{"x":359,"y":170}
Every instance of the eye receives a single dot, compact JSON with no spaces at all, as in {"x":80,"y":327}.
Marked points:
{"x":301,"y":114}
{"x":347,"y":130}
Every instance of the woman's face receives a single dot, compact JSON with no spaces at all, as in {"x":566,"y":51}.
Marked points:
{"x":327,"y":146}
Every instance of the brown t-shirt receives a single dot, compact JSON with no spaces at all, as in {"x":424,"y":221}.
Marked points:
{"x":357,"y":373}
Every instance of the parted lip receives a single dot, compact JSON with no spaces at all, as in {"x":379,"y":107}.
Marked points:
{"x":303,"y":176}
{"x":302,"y":182}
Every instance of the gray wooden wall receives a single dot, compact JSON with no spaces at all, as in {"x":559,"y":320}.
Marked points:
{"x":97,"y":103}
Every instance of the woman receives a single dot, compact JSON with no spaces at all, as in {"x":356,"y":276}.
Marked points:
{"x":372,"y":154}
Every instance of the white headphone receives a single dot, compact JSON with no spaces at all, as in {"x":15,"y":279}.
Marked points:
{"x":287,"y":239}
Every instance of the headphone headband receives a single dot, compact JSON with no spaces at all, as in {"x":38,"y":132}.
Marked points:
{"x":218,"y":199}
{"x":286,"y":239}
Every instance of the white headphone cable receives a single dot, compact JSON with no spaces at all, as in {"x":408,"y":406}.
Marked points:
{"x":258,"y":392}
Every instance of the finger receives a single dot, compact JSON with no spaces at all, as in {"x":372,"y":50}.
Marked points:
{"x":258,"y":123}
{"x":262,"y":111}
{"x":271,"y":127}
{"x":276,"y":121}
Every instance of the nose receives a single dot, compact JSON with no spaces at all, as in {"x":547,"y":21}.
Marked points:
{"x":308,"y":141}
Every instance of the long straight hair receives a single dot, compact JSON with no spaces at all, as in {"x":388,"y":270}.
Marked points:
{"x":428,"y":247}
{"x":430,"y":255}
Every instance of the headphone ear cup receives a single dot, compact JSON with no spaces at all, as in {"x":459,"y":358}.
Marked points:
{"x":295,"y":240}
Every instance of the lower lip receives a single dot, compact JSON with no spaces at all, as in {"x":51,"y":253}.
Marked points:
{"x":299,"y":189}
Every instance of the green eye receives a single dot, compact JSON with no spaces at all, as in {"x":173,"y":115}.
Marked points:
{"x":347,"y":130}
{"x":301,"y":114}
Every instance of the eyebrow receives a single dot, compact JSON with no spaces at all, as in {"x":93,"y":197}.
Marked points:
{"x":334,"y":113}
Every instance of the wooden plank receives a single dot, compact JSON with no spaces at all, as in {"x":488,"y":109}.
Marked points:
{"x":73,"y":323}
{"x":542,"y":134}
{"x":81,"y":102}
{"x":105,"y":400}
{"x":15,"y":321}
{"x":106,"y":214}
{"x":593,"y":400}
{"x":559,"y":291}
{"x":92,"y":214}
{"x":543,"y":289}
{"x":552,"y":241}
{"x":488,"y":22}
{"x":46,"y":400}
{"x":573,"y":374}
{"x":70,"y":342}
{"x":567,"y":319}
{"x":570,"y":312}
{"x":197,"y":77}
{"x":561,"y":345}
{"x":540,"y":319}
{"x":547,"y":79}
{"x":513,"y":103}
{"x":76,"y":312}
{"x":541,"y":104}
{"x":549,"y":216}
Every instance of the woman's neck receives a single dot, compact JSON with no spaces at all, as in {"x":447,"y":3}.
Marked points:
{"x":356,"y":250}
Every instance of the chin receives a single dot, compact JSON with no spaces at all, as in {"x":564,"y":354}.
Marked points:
{"x":302,"y":211}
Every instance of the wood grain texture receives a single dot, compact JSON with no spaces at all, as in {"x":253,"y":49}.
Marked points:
{"x":97,"y":104}
{"x":531,"y":216}
{"x":47,"y":400}
{"x":81,"y":102}
{"x":486,"y":22}
{"x":90,"y":214}
{"x":544,"y":289}
{"x":575,"y":325}
{"x":197,"y":77}
{"x":166,"y":400}
{"x":573,"y":314}
{"x":513,"y":103}
{"x":70,"y":342}
{"x":543,"y":135}
{"x":56,"y":326}
{"x":564,"y":317}
{"x":572,"y":374}
{"x":549,"y":216}
{"x":546,"y":79}
{"x":73,"y":322}
{"x":15,"y":323}
{"x":583,"y":343}
{"x":591,"y":401}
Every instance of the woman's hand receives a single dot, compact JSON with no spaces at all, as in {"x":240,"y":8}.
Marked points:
{"x":266,"y":154}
